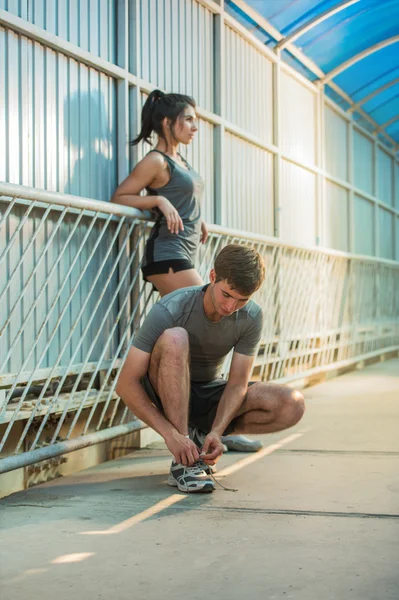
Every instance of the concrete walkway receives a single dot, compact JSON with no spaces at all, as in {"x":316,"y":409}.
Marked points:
{"x":315,"y":517}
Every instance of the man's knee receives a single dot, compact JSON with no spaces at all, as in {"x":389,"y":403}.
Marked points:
{"x":174,"y":341}
{"x":287,"y":405}
{"x":293,"y":406}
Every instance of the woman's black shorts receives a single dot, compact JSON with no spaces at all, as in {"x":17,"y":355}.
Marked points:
{"x":163,"y":266}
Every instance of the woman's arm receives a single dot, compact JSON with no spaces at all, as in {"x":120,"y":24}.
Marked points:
{"x":149,"y":172}
{"x":143,"y":175}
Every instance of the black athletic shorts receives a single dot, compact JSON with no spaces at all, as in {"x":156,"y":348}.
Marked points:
{"x":163,"y":266}
{"x":204,"y":401}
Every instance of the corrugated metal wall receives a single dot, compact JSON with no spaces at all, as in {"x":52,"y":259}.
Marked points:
{"x":373,"y":227}
{"x":90,"y":24}
{"x":336,"y":145}
{"x":385,"y":178}
{"x":59,"y":120}
{"x":363,"y":163}
{"x":337,"y":217}
{"x":298,"y":205}
{"x":177,"y":48}
{"x":364,"y":226}
{"x":298,"y":121}
{"x":248,"y":90}
{"x":249,"y":186}
{"x":386,"y":233}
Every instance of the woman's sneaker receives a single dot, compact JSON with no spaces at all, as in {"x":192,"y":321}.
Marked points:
{"x":190,"y":479}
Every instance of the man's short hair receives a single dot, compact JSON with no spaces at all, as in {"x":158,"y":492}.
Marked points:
{"x":242,"y":267}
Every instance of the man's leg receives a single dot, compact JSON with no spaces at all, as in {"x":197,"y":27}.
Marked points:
{"x":269,"y":408}
{"x":169,"y":375}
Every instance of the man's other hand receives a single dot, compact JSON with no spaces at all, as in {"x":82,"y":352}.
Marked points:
{"x":212,"y":448}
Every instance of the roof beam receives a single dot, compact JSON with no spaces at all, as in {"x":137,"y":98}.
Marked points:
{"x":306,"y":61}
{"x":387,"y":124}
{"x":372,"y":95}
{"x":313,"y":23}
{"x":355,"y":59}
{"x":363,"y":113}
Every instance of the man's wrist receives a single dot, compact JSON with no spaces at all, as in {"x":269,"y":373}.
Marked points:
{"x":172,"y":432}
{"x":217,"y":431}
{"x":169,"y":433}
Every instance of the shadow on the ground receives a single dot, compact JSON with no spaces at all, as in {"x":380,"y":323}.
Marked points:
{"x":100,"y":504}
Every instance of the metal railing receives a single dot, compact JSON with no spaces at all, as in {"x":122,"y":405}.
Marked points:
{"x":71,"y":299}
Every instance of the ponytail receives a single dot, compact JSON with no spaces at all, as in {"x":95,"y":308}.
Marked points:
{"x":158,"y":106}
{"x":147,"y":117}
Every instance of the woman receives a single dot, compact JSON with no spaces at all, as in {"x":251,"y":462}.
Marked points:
{"x":174,"y":193}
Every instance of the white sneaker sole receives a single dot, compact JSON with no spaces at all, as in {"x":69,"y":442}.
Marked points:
{"x":206,"y":487}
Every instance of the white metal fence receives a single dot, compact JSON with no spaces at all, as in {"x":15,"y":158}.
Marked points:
{"x":71,"y":299}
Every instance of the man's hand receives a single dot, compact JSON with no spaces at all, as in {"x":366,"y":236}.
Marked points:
{"x":212,"y":448}
{"x":184,"y":451}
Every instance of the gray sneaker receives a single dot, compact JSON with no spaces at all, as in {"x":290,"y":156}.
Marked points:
{"x":240,"y":443}
{"x":190,"y":479}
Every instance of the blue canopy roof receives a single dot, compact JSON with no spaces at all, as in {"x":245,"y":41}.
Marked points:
{"x":364,"y":30}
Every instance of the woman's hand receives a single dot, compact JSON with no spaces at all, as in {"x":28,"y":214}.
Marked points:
{"x":204,"y":232}
{"x":173,"y":219}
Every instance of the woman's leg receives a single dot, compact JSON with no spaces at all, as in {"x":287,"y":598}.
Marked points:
{"x":169,"y":282}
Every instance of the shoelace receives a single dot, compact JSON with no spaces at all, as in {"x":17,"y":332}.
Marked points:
{"x":196,"y":468}
{"x":199,"y":440}
{"x":224,"y":487}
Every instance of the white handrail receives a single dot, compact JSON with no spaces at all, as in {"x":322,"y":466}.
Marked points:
{"x":78,"y":202}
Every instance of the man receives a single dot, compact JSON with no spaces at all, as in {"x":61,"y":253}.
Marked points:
{"x":171,"y":377}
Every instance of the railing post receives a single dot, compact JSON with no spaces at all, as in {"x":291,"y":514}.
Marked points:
{"x":277,"y":142}
{"x":122,"y":119}
{"x":320,"y":157}
{"x":351,"y":200}
{"x":219,"y":130}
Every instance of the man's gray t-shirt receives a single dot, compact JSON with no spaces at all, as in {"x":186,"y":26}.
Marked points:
{"x":210,"y":342}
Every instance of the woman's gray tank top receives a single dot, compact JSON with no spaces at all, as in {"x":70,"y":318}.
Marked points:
{"x":184,"y":191}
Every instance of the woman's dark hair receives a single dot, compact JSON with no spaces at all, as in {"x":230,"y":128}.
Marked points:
{"x":158,"y":106}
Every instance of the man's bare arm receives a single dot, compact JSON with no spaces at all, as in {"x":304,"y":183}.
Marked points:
{"x":230,"y":403}
{"x":234,"y":392}
{"x":131,"y":391}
